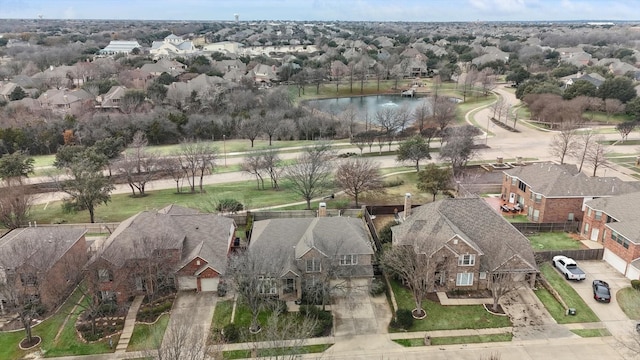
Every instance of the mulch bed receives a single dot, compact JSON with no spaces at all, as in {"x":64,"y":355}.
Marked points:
{"x":500,"y":310}
{"x":35,"y":340}
{"x":476,"y":294}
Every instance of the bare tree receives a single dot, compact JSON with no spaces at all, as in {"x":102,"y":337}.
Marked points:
{"x":172,"y":166}
{"x":137,"y":164}
{"x":310,"y":176}
{"x":387,"y":119}
{"x":252,"y":282}
{"x":625,"y":128}
{"x":500,"y":283}
{"x":196,"y":159}
{"x":422,"y":115}
{"x":583,"y":143}
{"x":181,"y":340}
{"x":348,"y":116}
{"x":487,"y":80}
{"x":15,"y":204}
{"x":272,"y":124}
{"x":282,"y":333}
{"x":251,"y":126}
{"x":564,"y":142}
{"x":444,"y":112}
{"x":272,"y":164}
{"x":253,"y":165}
{"x":415,"y":269}
{"x":458,"y":148}
{"x":596,"y":155}
{"x":613,"y":106}
{"x":358,"y":176}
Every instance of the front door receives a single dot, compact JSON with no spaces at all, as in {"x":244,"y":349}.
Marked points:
{"x":594,"y":234}
{"x":512,"y":198}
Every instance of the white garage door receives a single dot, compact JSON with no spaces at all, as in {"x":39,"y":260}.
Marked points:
{"x":187,"y":283}
{"x":633,"y":273}
{"x":209,"y":284}
{"x":614,"y":260}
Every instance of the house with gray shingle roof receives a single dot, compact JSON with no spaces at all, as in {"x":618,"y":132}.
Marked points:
{"x":468,"y":243}
{"x":554,"y":193}
{"x":186,"y":249}
{"x":304,"y":251}
{"x":615,"y":223}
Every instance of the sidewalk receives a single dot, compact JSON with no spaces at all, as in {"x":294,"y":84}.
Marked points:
{"x":129,"y":323}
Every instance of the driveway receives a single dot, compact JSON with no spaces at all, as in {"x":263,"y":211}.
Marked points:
{"x":531,"y":320}
{"x":610,"y":314}
{"x":357,"y":313}
{"x":191,"y":316}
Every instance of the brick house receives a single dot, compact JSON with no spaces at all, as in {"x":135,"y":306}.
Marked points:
{"x":303,"y":252}
{"x":468,"y":241}
{"x":615,"y":222}
{"x":174,"y":247}
{"x":41,"y":264}
{"x":553,"y":193}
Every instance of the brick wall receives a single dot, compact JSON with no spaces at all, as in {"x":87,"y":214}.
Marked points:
{"x":558,"y":209}
{"x":193,"y":266}
{"x":449,"y":264}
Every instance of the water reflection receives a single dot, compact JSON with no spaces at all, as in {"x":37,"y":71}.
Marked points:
{"x":367,"y":106}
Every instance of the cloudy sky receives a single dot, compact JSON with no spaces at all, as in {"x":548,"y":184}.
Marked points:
{"x":376,"y":10}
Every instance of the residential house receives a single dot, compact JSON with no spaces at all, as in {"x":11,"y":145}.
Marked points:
{"x":575,"y":56}
{"x":554,"y":193}
{"x":120,"y":47}
{"x":594,"y":78}
{"x":6,"y":89}
{"x":41,"y":264}
{"x":467,"y":241}
{"x":111,"y":100}
{"x":172,"y":46}
{"x":224,"y":47}
{"x":615,"y":222}
{"x":186,"y":249}
{"x":302,"y":252}
{"x":172,"y":68}
{"x":491,"y":53}
{"x":65,"y":100}
{"x":136,"y":78}
{"x":263,"y":73}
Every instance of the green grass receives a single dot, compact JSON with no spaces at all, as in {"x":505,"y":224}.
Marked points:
{"x":147,"y":336}
{"x":441,"y":317}
{"x":222,"y":314}
{"x":516,"y":218}
{"x":591,"y":332}
{"x":568,"y":294}
{"x":276,"y":352}
{"x":633,"y":142}
{"x":553,"y":241}
{"x":67,"y":344}
{"x":452,"y":340}
{"x":629,"y":301}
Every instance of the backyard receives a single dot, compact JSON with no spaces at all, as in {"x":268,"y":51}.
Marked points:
{"x":554,"y":241}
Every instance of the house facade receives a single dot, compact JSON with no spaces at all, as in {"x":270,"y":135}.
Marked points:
{"x":303,"y":253}
{"x":173,"y":248}
{"x":41,"y":264}
{"x":615,"y":223}
{"x":467,"y":242}
{"x":554,"y":193}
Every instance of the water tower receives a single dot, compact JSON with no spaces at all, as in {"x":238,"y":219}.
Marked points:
{"x":237,"y":16}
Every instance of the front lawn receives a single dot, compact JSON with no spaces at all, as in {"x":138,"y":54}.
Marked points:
{"x":276,"y":353}
{"x":568,"y":294}
{"x":591,"y":332}
{"x":222,"y":314}
{"x":148,"y":336}
{"x":629,"y":301}
{"x":553,"y":241}
{"x":452,"y":340}
{"x":441,"y":317}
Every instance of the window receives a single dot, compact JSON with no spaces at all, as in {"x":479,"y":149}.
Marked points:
{"x":464,"y":279}
{"x":570,"y":217}
{"x":536,"y":215}
{"x":104,"y":275}
{"x":522,"y":186}
{"x":348,"y":259}
{"x":313,"y":265}
{"x":586,"y":229}
{"x":107,"y":295}
{"x":483,"y":275}
{"x":538,"y":198}
{"x":467,"y":260}
{"x":289,"y":286}
{"x":598,"y":215}
{"x":267,"y":285}
{"x":589,"y":212}
{"x":514,"y":181}
{"x":620,"y":239}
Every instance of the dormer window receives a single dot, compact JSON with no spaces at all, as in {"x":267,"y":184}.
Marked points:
{"x":467,"y":260}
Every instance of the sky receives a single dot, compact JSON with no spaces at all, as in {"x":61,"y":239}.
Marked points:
{"x":326,"y":10}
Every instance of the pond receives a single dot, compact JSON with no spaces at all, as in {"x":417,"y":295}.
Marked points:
{"x":368,"y":106}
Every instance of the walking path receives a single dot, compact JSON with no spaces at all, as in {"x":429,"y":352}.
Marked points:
{"x":129,"y":324}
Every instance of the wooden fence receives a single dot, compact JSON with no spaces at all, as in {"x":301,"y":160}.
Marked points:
{"x":527,"y":228}
{"x":372,"y":229}
{"x":581,"y":254}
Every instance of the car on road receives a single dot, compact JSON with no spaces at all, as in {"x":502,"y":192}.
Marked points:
{"x":601,"y":291}
{"x":568,"y":267}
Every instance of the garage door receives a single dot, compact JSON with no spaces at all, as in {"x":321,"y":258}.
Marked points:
{"x":614,"y":260}
{"x":187,"y":283}
{"x":633,"y":273}
{"x":209,"y":284}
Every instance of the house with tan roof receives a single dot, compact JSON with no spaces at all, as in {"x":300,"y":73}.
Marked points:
{"x":467,"y":241}
{"x":615,"y":223}
{"x":173,"y":248}
{"x":554,"y":193}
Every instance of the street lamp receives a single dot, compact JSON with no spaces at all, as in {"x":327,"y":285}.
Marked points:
{"x":224,"y":148}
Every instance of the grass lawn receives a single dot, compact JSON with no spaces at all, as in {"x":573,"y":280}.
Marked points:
{"x":553,"y":241}
{"x":222,"y":314}
{"x":452,"y":340}
{"x":629,"y":301}
{"x":568,"y":294}
{"x":67,"y":344}
{"x":276,"y":353}
{"x":516,"y":218}
{"x":147,"y":336}
{"x":447,"y":317}
{"x":591,"y":332}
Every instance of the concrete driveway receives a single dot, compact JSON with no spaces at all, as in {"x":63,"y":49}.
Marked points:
{"x":357,"y":313}
{"x":190,"y":317}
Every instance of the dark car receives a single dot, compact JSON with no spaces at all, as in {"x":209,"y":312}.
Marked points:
{"x":601,"y":291}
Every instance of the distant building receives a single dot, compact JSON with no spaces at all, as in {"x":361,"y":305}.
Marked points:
{"x":120,"y":47}
{"x":172,"y":46}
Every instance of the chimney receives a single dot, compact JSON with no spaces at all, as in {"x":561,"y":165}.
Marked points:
{"x":322,"y":211}
{"x":407,"y":205}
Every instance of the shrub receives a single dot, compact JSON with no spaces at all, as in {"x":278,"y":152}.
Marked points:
{"x":280,"y":306}
{"x":393,"y":183}
{"x":404,"y":319}
{"x":231,"y":333}
{"x":222,"y":289}
{"x":109,"y":308}
{"x":635,"y":284}
{"x":229,"y":205}
{"x":384,"y":234}
{"x":377,"y":287}
{"x":324,"y":319}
